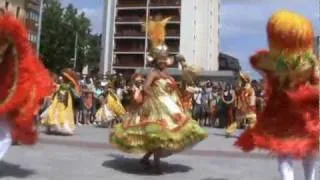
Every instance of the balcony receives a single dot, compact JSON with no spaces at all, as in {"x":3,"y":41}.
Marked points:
{"x":127,"y":34}
{"x":129,"y":31}
{"x":31,"y":25}
{"x":129,"y":60}
{"x":174,"y":65}
{"x":174,"y":14}
{"x":173,"y":34}
{"x":130,"y":19}
{"x":166,"y":3}
{"x":129,"y":46}
{"x":127,"y":71}
{"x":130,"y":4}
{"x":173,"y":46}
{"x":33,"y":5}
{"x":131,"y":16}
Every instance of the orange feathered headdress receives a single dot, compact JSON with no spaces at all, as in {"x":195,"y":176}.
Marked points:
{"x":72,"y":76}
{"x":157,"y":30}
{"x":290,"y":56}
{"x":289,"y":32}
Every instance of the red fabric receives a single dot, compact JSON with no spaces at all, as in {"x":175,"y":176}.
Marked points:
{"x":88,"y":100}
{"x":289,"y":123}
{"x":230,"y":118}
{"x":21,"y":101}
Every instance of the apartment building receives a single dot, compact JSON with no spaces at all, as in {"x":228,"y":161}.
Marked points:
{"x":193,"y":31}
{"x":28,"y":12}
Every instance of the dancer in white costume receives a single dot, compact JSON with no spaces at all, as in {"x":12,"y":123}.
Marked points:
{"x":5,"y":136}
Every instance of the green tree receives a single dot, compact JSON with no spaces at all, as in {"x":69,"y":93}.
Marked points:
{"x":52,"y":43}
{"x":60,"y":26}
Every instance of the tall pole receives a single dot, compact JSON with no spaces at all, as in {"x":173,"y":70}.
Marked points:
{"x":107,"y":37}
{"x":75,"y":57}
{"x":39,"y":27}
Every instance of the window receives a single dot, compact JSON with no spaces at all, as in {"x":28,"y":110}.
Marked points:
{"x":18,"y":12}
{"x":33,"y":16}
{"x":7,"y":5}
{"x":29,"y":36}
{"x":32,"y":37}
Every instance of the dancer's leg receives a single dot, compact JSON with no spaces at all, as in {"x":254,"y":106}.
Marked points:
{"x":252,"y":122}
{"x":286,"y":167}
{"x":157,"y":155}
{"x":231,"y":128}
{"x":5,"y":137}
{"x":145,"y":159}
{"x":309,"y":165}
{"x":146,"y":156}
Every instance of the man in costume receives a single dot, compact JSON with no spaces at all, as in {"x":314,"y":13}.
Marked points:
{"x":245,"y":104}
{"x":288,"y":125}
{"x":159,"y":125}
{"x":24,"y":83}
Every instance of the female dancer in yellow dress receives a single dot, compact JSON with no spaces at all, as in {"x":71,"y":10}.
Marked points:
{"x":60,"y":114}
{"x":159,"y":126}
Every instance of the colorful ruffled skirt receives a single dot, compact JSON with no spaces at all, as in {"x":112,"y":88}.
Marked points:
{"x":160,"y":123}
{"x":288,"y":125}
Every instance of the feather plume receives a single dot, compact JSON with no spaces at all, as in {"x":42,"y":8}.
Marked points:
{"x":156,"y":30}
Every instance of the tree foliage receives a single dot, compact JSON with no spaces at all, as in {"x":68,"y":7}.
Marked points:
{"x":59,"y":28}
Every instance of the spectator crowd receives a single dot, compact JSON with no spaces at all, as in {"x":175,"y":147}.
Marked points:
{"x":211,"y":100}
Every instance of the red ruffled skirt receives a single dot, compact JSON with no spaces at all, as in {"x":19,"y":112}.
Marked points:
{"x":288,"y":125}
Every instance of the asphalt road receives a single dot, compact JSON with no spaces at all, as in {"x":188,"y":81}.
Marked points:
{"x":87,"y":155}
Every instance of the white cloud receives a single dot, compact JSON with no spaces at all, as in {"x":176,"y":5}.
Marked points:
{"x":237,"y":22}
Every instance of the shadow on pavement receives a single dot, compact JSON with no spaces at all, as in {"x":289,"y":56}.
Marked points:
{"x":132,"y":166}
{"x":12,"y":170}
{"x":224,"y":135}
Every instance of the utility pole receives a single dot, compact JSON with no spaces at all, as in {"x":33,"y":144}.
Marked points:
{"x":75,"y":57}
{"x":39,"y":27}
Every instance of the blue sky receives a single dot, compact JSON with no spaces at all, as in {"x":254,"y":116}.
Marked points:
{"x":242,"y":22}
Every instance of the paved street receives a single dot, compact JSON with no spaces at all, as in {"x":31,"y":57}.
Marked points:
{"x":87,"y":155}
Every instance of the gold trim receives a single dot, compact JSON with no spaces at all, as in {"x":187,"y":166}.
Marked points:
{"x":31,"y":98}
{"x":15,"y":77}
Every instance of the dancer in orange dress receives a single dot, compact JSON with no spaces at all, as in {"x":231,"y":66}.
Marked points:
{"x":24,"y":83}
{"x":288,"y":126}
{"x":245,"y":104}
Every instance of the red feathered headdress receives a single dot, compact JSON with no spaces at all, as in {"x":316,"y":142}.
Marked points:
{"x":24,"y":80}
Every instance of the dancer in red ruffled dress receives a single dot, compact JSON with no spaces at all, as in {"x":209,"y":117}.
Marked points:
{"x":24,"y":83}
{"x":289,"y":124}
